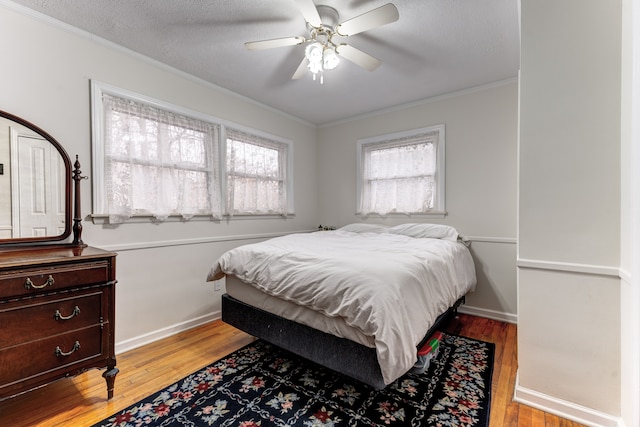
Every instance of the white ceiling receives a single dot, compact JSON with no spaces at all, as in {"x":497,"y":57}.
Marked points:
{"x":436,"y":47}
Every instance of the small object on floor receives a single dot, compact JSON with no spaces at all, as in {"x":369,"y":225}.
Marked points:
{"x":426,"y":353}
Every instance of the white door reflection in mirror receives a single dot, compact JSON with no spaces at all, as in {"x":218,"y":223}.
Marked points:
{"x":38,"y":181}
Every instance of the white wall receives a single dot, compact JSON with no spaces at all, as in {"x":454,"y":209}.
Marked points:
{"x":161,"y":268}
{"x":570,"y":208}
{"x":481,"y":159}
{"x":630,"y":216}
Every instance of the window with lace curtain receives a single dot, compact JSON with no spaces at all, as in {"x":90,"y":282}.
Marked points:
{"x":256,"y":174}
{"x":402,"y":173}
{"x":153,"y":161}
{"x":151,"y":158}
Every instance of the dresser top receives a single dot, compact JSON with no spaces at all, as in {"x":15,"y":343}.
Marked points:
{"x":48,"y":254}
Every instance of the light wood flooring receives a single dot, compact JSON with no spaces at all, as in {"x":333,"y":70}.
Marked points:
{"x":81,"y":401}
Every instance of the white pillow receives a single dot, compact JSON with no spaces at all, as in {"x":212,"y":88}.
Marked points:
{"x":434,"y":231}
{"x":360,"y":227}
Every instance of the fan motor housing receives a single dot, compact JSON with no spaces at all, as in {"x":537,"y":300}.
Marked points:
{"x":329,"y":16}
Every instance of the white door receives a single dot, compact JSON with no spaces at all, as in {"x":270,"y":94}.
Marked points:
{"x":40,"y":189}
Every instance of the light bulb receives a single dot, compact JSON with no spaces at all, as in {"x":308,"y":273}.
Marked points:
{"x":313,"y":52}
{"x":315,"y":67}
{"x":330,"y":59}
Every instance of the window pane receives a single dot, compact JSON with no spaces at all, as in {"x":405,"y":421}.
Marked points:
{"x":132,"y":136}
{"x":407,"y":195}
{"x":256,"y":175}
{"x":250,"y":159}
{"x":403,"y":161}
{"x":187,"y":146}
{"x":252,"y":195}
{"x":157,"y":162}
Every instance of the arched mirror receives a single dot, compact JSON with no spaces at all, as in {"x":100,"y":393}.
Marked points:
{"x":35,"y":184}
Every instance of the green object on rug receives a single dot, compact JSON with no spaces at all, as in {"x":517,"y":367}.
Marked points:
{"x":262,"y":385}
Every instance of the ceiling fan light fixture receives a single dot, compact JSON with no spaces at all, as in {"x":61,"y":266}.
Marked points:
{"x":330,"y":58}
{"x":321,"y":57}
{"x":313,"y":52}
{"x":315,"y":67}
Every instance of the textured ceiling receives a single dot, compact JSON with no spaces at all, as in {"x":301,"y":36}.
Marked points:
{"x":436,"y":47}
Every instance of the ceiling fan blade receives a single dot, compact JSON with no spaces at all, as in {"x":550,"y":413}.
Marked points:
{"x":309,"y":11}
{"x":358,"y":57}
{"x":301,"y":71}
{"x":374,"y":18}
{"x":269,"y":44}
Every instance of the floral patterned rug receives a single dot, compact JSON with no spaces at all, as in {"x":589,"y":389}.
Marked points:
{"x":262,"y":385}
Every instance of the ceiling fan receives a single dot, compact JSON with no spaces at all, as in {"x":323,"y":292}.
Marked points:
{"x":322,"y":51}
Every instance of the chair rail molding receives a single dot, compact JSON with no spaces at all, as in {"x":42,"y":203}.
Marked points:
{"x":592,"y":269}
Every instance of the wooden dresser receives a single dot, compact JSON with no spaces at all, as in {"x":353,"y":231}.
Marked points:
{"x":57,"y":307}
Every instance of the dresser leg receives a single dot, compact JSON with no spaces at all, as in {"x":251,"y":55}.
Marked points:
{"x":110,"y":376}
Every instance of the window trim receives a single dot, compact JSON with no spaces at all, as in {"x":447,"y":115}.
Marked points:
{"x":97,"y":147}
{"x":438,"y":210}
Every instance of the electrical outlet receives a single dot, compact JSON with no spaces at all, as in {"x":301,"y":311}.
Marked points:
{"x":217,"y":286}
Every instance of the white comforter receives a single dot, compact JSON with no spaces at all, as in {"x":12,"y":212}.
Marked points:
{"x":391,"y":287}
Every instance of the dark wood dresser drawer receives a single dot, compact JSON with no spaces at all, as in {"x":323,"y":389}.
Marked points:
{"x":60,"y":352}
{"x":35,"y":318}
{"x":24,"y":282}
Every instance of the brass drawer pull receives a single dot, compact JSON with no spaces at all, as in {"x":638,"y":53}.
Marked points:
{"x":58,"y":316}
{"x":59,"y":352}
{"x":29,"y":284}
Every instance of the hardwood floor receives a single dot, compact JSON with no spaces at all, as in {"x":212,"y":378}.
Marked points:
{"x":81,"y":401}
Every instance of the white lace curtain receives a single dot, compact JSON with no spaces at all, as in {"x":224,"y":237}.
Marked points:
{"x":158,"y":163}
{"x":398,"y":176}
{"x":256,"y":174}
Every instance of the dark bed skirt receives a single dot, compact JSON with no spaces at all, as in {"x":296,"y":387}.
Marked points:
{"x":339,"y":354}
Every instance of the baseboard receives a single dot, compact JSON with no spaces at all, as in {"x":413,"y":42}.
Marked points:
{"x":489,"y":314}
{"x":564,"y":409}
{"x":165,"y":332}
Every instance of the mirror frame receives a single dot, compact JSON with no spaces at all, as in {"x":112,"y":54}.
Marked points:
{"x":67,"y":185}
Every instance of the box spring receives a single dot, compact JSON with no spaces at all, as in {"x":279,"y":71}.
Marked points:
{"x":339,"y":354}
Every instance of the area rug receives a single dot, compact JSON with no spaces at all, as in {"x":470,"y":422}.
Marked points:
{"x":262,"y":385}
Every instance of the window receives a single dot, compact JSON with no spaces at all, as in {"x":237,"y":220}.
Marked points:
{"x":152,"y":158}
{"x":402,"y":173}
{"x":155,"y":162}
{"x":256,"y":174}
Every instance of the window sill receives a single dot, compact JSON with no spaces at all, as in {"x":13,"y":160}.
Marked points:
{"x":101,"y":219}
{"x":435,"y":214}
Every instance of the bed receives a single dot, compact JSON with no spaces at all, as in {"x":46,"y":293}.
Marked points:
{"x":358,"y":300}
